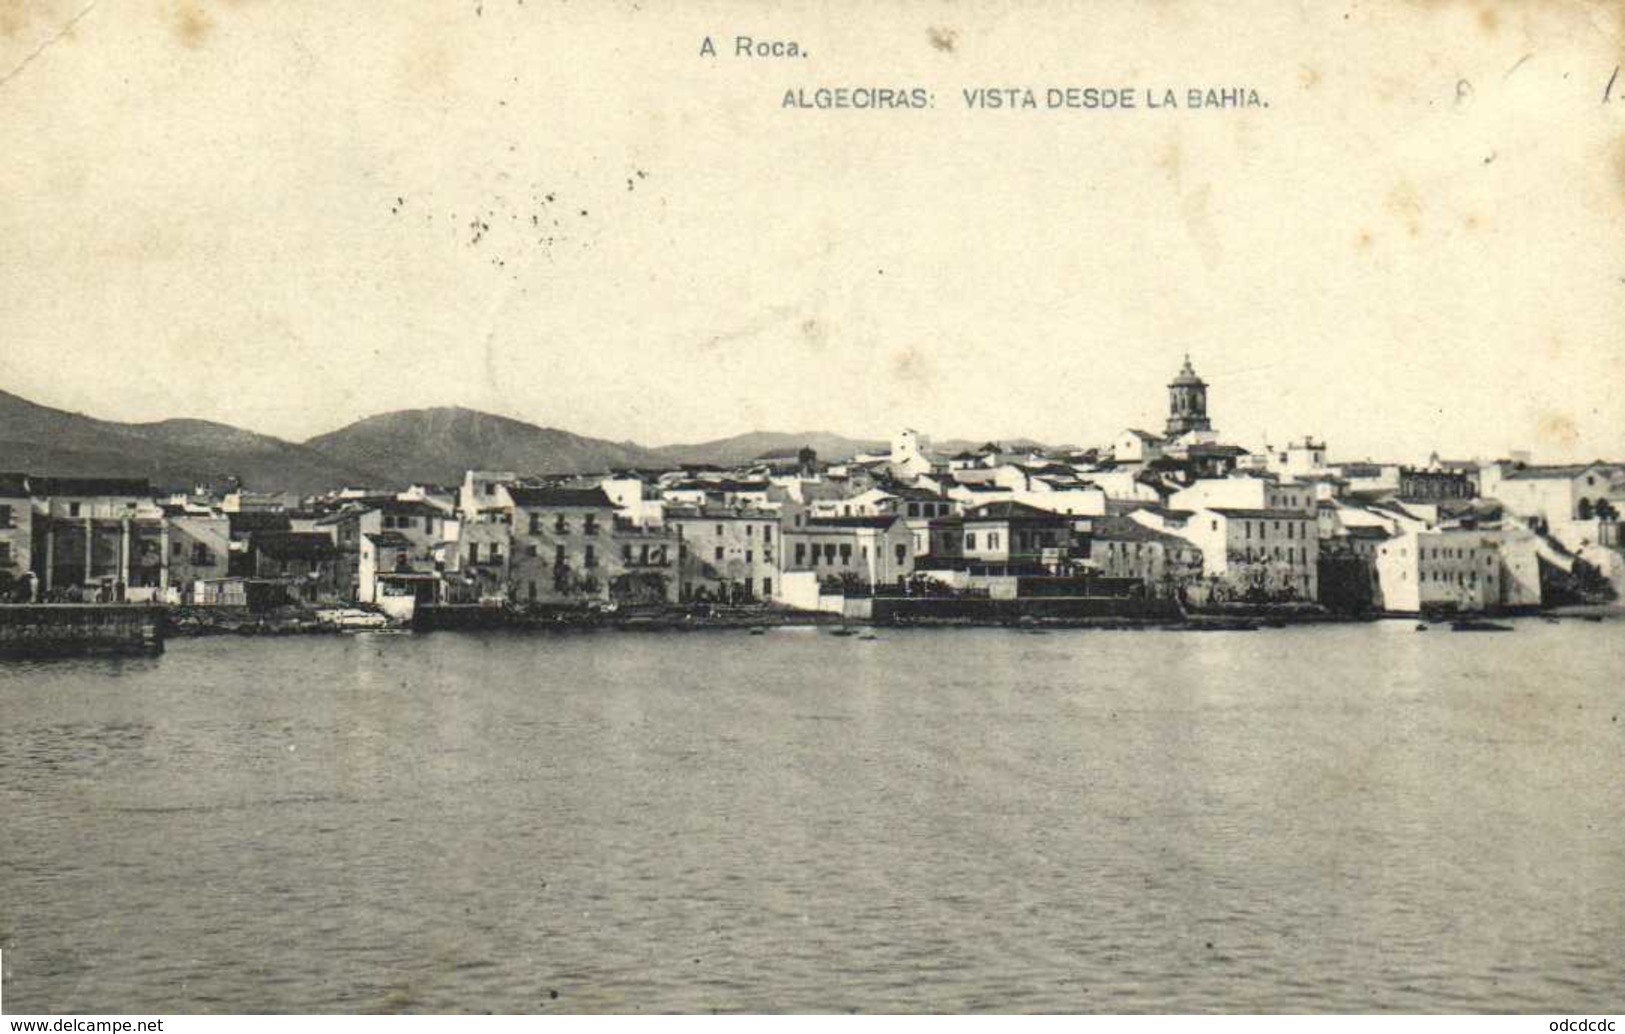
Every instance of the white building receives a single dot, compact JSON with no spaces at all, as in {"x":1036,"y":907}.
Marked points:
{"x":1443,"y":570}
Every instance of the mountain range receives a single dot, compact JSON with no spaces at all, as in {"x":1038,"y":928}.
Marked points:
{"x":396,"y":448}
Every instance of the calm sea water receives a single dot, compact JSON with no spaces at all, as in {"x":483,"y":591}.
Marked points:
{"x":1334,"y":818}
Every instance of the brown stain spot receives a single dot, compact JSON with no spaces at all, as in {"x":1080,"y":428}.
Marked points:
{"x":1559,"y":429}
{"x":1172,"y":161}
{"x":1554,"y":347}
{"x":1489,"y":20}
{"x":1405,"y":204}
{"x":1364,"y":241}
{"x":12,"y":18}
{"x":1472,"y":222}
{"x":814,"y":332}
{"x":192,"y":25}
{"x":1308,"y":77}
{"x":909,"y":365}
{"x":942,"y":39}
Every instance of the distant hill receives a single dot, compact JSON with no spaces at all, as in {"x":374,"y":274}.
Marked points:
{"x":954,"y":446}
{"x":742,"y":448}
{"x":438,"y":445}
{"x":170,"y":453}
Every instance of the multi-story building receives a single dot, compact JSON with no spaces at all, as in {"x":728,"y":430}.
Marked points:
{"x":99,"y":537}
{"x":1431,"y":486}
{"x":1438,"y":570}
{"x":1255,"y":553}
{"x":857,"y":552}
{"x":1578,"y":505}
{"x":1010,"y":538}
{"x":306,"y":563}
{"x":569,"y":547}
{"x":425,"y":526}
{"x":16,"y":538}
{"x":1120,"y":547}
{"x":1246,"y":492}
{"x":729,"y":555}
{"x":199,"y":550}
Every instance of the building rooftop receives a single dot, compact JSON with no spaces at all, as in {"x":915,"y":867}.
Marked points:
{"x":587,"y":498}
{"x":295,"y":545}
{"x":1009,"y":510}
{"x":1248,"y":514}
{"x":55,"y":486}
{"x":833,"y":523}
{"x":1127,"y":529}
{"x":1560,"y":472}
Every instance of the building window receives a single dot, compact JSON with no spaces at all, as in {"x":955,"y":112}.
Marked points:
{"x":767,"y":533}
{"x":902,"y":552}
{"x":750,"y":530}
{"x":561,"y":525}
{"x":970,"y":540}
{"x":535,"y":524}
{"x":719,"y":552}
{"x":590,"y":525}
{"x":591,"y":559}
{"x":558,"y":556}
{"x":846,"y":554}
{"x":531,"y":550}
{"x":626,"y":552}
{"x":801,"y":553}
{"x":750,"y":556}
{"x":719,"y":531}
{"x":73,"y":509}
{"x":767,"y":587}
{"x":5,"y":554}
{"x":5,"y":517}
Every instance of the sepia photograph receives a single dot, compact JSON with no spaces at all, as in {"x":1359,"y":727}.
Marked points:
{"x":911,"y":508}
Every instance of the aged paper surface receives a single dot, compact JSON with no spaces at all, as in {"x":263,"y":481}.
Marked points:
{"x":306,"y":263}
{"x":1404,"y":236}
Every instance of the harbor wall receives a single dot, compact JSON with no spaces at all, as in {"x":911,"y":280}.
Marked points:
{"x":71,"y":629}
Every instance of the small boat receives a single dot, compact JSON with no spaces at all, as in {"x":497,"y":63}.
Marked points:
{"x":843,"y":631}
{"x":1421,"y":626}
{"x":1478,"y":626}
{"x":351,"y":619}
{"x":867,"y":637}
{"x":758,"y":630}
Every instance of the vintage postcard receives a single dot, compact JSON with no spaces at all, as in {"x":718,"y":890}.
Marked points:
{"x":535,"y":507}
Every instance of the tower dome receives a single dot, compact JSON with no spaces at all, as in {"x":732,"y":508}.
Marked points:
{"x":1187,"y":402}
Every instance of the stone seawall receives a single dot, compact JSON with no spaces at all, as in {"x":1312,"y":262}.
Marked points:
{"x":73,"y":629}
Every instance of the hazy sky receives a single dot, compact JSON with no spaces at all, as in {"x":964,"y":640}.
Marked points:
{"x":290,"y":215}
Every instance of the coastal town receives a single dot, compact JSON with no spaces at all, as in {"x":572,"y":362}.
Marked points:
{"x":1153,"y":524}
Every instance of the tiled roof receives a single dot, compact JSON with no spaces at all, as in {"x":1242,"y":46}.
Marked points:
{"x":1284,"y":515}
{"x":590,"y":498}
{"x":1130,"y":530}
{"x":388,"y":539}
{"x":1009,"y":510}
{"x":1550,"y":473}
{"x":832,"y":523}
{"x":295,"y":545}
{"x":53,"y":486}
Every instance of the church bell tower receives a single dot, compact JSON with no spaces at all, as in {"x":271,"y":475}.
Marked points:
{"x":1187,"y":402}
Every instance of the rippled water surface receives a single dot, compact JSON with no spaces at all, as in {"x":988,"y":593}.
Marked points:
{"x":1314,"y":819}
